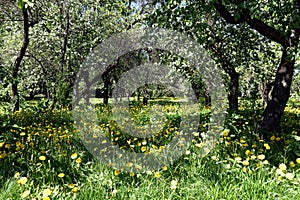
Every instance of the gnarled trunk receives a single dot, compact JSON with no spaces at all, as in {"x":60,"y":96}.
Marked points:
{"x":280,"y":94}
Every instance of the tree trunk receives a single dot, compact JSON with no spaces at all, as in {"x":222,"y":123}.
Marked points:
{"x":233,"y":92}
{"x":15,"y":82}
{"x":280,"y":94}
{"x":265,"y":91}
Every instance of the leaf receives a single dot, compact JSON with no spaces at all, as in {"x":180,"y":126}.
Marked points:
{"x":21,"y":4}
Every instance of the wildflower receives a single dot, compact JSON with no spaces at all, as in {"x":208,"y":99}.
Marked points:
{"x":116,"y":172}
{"x":71,"y":185}
{"x":282,"y":167}
{"x":244,"y":169}
{"x":46,"y":198}
{"x":78,"y":160}
{"x":25,"y":194}
{"x":238,"y":158}
{"x":131,"y":174}
{"x":75,"y":190}
{"x":225,"y":132}
{"x":272,"y":138}
{"x":164,"y":168}
{"x":248,"y":152}
{"x":74,"y":156}
{"x":267,"y":146}
{"x":173,"y":184}
{"x":298,"y":160}
{"x":7,"y":146}
{"x":214,"y":157}
{"x":289,"y":176}
{"x":2,"y":144}
{"x":261,"y":156}
{"x":17,"y":175}
{"x":47,"y":192}
{"x":245,"y":162}
{"x":42,"y":158}
{"x":266,"y":162}
{"x":157,"y":174}
{"x":277,"y":139}
{"x":292,"y":164}
{"x":61,"y":175}
{"x":143,"y":148}
{"x":279,"y":172}
{"x":279,"y":178}
{"x":22,"y":181}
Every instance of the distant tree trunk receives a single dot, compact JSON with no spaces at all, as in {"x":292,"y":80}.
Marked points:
{"x":280,"y":94}
{"x":233,"y":91}
{"x":15,"y":82}
{"x":106,"y":92}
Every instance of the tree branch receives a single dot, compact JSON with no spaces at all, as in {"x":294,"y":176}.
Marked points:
{"x":261,"y":27}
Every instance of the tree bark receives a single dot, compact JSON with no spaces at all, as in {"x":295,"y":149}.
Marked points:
{"x":233,"y":93}
{"x":15,"y":81}
{"x":280,"y":94}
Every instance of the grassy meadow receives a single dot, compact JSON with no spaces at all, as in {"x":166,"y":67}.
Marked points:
{"x":43,"y":157}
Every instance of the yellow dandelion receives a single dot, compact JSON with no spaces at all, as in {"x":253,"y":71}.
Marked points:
{"x":261,"y":156}
{"x":292,"y":164}
{"x":25,"y":194}
{"x":46,"y":198}
{"x":117,"y":172}
{"x":265,"y":162}
{"x":279,"y":172}
{"x":47,"y":192}
{"x":173,"y":184}
{"x":131,"y":174}
{"x":2,"y":144}
{"x":164,"y":168}
{"x":71,"y":185}
{"x":267,"y":146}
{"x":143,"y":148}
{"x":277,"y":139}
{"x":289,"y":176}
{"x":22,"y":180}
{"x":214,"y":157}
{"x":42,"y":158}
{"x":17,"y":175}
{"x":157,"y":174}
{"x":61,"y":175}
{"x":245,"y":162}
{"x":244,"y":169}
{"x":74,"y":156}
{"x":282,"y":167}
{"x":248,"y":152}
{"x":298,"y":160}
{"x":272,"y":138}
{"x":78,"y":160}
{"x":75,"y":190}
{"x":7,"y":146}
{"x":279,"y":178}
{"x":238,"y":158}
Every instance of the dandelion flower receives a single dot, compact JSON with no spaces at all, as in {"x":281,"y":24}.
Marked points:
{"x":173,"y":184}
{"x":78,"y":160}
{"x":42,"y":158}
{"x":47,"y":192}
{"x":267,"y":146}
{"x":157,"y":174}
{"x":74,"y":156}
{"x":245,"y":162}
{"x":61,"y":175}
{"x":298,"y":160}
{"x":272,"y":138}
{"x":164,"y":168}
{"x":75,"y":190}
{"x":46,"y":198}
{"x":117,"y":172}
{"x":289,"y":176}
{"x":292,"y":164}
{"x":261,"y":156}
{"x":25,"y":194}
{"x":22,"y":181}
{"x":248,"y":152}
{"x":282,"y":167}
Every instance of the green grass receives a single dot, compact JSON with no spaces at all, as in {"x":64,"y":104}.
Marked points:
{"x":241,"y":166}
